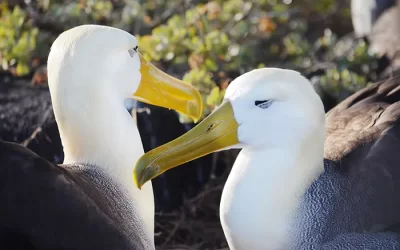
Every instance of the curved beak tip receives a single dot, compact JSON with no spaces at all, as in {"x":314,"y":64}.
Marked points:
{"x":136,"y":181}
{"x":138,"y":175}
{"x":144,"y":172}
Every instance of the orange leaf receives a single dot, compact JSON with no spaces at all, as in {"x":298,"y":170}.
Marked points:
{"x":147,"y":19}
{"x":40,"y":76}
{"x":266,"y":25}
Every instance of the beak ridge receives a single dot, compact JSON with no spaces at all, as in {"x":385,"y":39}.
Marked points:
{"x":160,"y":89}
{"x":215,"y":132}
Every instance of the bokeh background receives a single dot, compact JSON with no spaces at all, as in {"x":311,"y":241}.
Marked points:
{"x":205,"y":43}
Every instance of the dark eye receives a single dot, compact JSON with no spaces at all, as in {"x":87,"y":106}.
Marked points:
{"x":133,"y":51}
{"x":263,"y":104}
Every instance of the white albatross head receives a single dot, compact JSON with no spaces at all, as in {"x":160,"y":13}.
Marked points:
{"x":92,"y":70}
{"x":277,"y":118}
{"x":264,"y":108}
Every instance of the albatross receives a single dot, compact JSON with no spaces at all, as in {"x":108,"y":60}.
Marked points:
{"x":90,"y":201}
{"x":365,"y":13}
{"x":303,"y":179}
{"x":378,"y":23}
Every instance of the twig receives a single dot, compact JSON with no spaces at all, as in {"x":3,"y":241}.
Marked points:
{"x":26,"y":142}
{"x":177,"y":225}
{"x":206,"y":192}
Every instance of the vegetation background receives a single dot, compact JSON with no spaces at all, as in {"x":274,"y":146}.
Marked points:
{"x":207,"y":44}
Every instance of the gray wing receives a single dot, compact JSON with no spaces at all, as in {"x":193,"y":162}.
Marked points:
{"x":356,"y":200}
{"x":44,"y":206}
{"x":372,"y":241}
{"x":362,"y":118}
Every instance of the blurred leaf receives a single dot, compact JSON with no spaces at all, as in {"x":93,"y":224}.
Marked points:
{"x":209,"y":43}
{"x":22,"y":69}
{"x":212,"y":98}
{"x":17,"y":39}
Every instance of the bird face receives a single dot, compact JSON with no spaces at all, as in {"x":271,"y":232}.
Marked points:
{"x":264,"y":108}
{"x":98,"y":62}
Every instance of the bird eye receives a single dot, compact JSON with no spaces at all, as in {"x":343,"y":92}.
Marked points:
{"x":263,"y":104}
{"x":133,"y":51}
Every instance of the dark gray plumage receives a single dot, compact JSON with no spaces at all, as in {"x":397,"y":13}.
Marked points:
{"x":355,"y":203}
{"x":70,"y":206}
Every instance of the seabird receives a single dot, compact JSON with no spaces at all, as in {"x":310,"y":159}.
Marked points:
{"x":364,"y":14}
{"x":378,"y":22}
{"x":302,"y":180}
{"x":90,"y":201}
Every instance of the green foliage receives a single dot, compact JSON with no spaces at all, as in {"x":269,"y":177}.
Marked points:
{"x":209,"y":43}
{"x":210,"y":92}
{"x":347,"y":74}
{"x":338,"y":82}
{"x":207,"y":39}
{"x":236,"y":35}
{"x":17,"y":40}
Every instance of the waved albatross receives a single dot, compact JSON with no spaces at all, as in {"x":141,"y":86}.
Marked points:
{"x":378,"y":22}
{"x":302,"y":180}
{"x":89,"y":202}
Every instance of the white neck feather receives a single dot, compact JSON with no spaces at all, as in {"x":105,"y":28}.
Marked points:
{"x":267,"y":184}
{"x":97,"y":130}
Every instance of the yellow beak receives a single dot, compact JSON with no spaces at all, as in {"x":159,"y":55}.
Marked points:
{"x":160,"y":89}
{"x":217,"y":131}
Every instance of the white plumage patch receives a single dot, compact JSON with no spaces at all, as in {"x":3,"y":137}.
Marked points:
{"x":282,"y":155}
